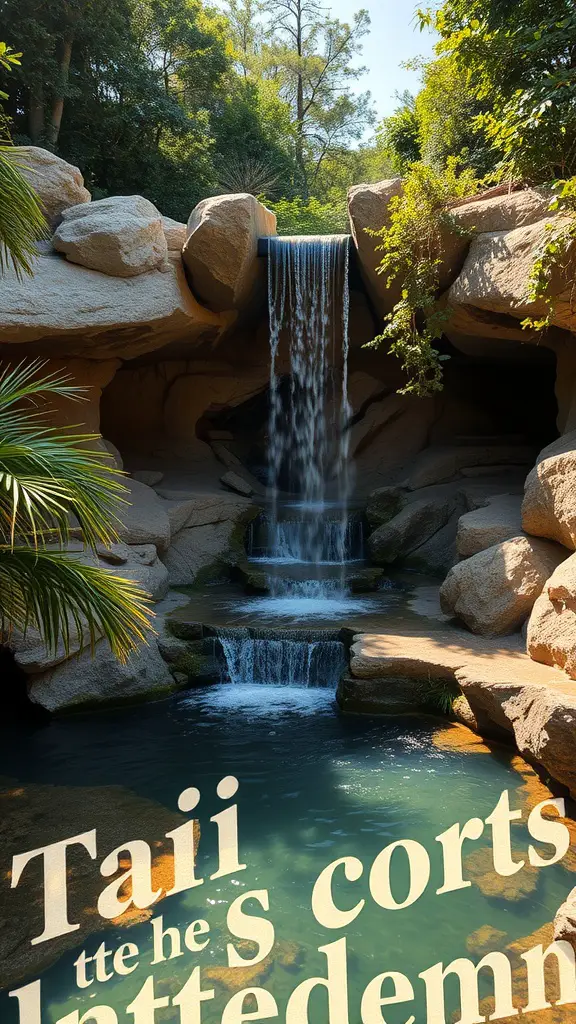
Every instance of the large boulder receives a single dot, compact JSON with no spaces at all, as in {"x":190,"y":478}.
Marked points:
{"x":368,"y":211}
{"x":549,"y":507}
{"x":496,"y":276}
{"x":122,"y":236}
{"x":58,"y":184}
{"x":144,"y":517}
{"x":89,"y":679}
{"x":207,"y":536}
{"x":415,"y":524}
{"x":494,"y":591}
{"x":501,"y":212}
{"x":221,"y":250}
{"x":482,"y":528}
{"x":71,"y":311}
{"x":552,"y":626}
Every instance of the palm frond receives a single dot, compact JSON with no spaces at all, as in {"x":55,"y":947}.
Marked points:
{"x":22,"y":221}
{"x":25,"y":381}
{"x":61,"y":596}
{"x":51,"y":479}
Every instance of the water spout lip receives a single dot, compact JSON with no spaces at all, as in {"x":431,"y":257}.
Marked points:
{"x":263,"y":245}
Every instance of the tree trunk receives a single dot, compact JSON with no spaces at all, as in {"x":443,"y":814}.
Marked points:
{"x":58,"y":103}
{"x":36,"y":114}
{"x":300,"y":111}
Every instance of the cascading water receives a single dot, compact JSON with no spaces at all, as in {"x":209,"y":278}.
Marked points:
{"x":308,"y":298}
{"x":285,"y":541}
{"x":283,"y":662}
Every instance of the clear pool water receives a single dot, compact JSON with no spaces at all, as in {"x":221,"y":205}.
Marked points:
{"x":314,"y":786}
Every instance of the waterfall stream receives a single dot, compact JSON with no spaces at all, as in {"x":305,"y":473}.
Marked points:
{"x":308,"y":523}
{"x":283,"y":662}
{"x":308,"y":298}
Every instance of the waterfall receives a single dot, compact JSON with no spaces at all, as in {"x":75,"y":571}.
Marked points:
{"x":284,"y":541}
{"x":283,"y":662}
{"x":308,"y":299}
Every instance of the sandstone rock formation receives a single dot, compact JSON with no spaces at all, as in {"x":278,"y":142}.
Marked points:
{"x":144,"y":519}
{"x":551,"y":637}
{"x":58,"y":184}
{"x":122,"y":236}
{"x":66,"y":310}
{"x":208,"y":538}
{"x":91,"y":678}
{"x":534,"y":704}
{"x":174,"y":233}
{"x":410,"y":528}
{"x":494,"y":591}
{"x":502,"y":212}
{"x":220,"y":251}
{"x":368,"y":211}
{"x":495,"y":276}
{"x":549,"y":508}
{"x":498,"y":521}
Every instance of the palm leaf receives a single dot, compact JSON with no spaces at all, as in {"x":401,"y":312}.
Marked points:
{"x":59,"y":595}
{"x":22,"y":222}
{"x":50,"y":479}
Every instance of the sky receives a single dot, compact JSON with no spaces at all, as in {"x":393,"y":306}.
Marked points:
{"x":394,"y":38}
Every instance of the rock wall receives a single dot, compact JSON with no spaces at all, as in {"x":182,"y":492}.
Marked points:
{"x":166,"y":326}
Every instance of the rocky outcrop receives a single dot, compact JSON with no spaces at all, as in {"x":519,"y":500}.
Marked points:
{"x":440,"y":463}
{"x":535,"y":704}
{"x":551,"y":637}
{"x":220,"y":251}
{"x":416,"y":523}
{"x":494,"y":591}
{"x":208,"y":540}
{"x":98,"y":677}
{"x":67,"y":310}
{"x":174,"y":233}
{"x":138,"y":563}
{"x":58,"y":184}
{"x":368,"y":211}
{"x":144,"y":517}
{"x":496,"y":275}
{"x":497,"y":522}
{"x":549,"y":507}
{"x":501,"y":212}
{"x":122,"y":236}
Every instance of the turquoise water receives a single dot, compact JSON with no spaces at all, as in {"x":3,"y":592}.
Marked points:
{"x":314,"y":786}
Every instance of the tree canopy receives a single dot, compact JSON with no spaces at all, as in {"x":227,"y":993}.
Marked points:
{"x":176,"y":100}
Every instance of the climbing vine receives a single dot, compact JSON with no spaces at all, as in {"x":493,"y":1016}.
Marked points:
{"x":555,"y":254}
{"x":414,"y":245}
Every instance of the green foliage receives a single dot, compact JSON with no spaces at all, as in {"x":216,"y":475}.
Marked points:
{"x":446,"y":109}
{"x":555,"y":257}
{"x":22,"y":221}
{"x":297,"y":217}
{"x":49,"y":478}
{"x":519,"y":60}
{"x":442,"y":694}
{"x":413,"y":249}
{"x":399,"y":135}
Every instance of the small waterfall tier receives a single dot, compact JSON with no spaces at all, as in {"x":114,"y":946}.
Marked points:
{"x":288,"y":538}
{"x":280,"y":662}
